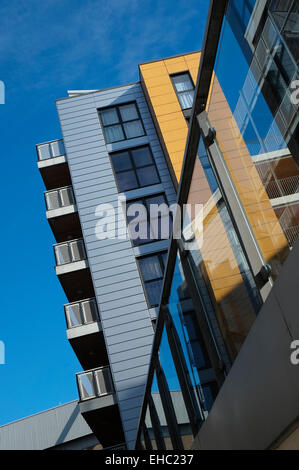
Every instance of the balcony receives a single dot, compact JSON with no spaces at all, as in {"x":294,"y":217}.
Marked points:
{"x":72,"y":270}
{"x":62,"y":213}
{"x":98,"y":405}
{"x":52,"y":164}
{"x":85,"y":334}
{"x":284,"y":190}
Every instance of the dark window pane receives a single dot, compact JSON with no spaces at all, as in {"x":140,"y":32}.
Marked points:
{"x":140,"y":232}
{"x":121,"y":161}
{"x":147,"y":176}
{"x":164,"y":258}
{"x":133,"y":214}
{"x":198,"y":355}
{"x":142,"y":157}
{"x":155,"y":200}
{"x":161,"y":228}
{"x":153,"y":290}
{"x":114,"y":133}
{"x":182,"y":82}
{"x":126,"y":180}
{"x":133,"y":129}
{"x":150,"y":268}
{"x":210,"y":393}
{"x":109,"y":116}
{"x":186,"y":99}
{"x":128,"y":112}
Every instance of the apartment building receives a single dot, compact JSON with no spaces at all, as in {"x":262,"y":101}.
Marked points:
{"x":112,"y":157}
{"x":190,"y":348}
{"x":228,"y":309}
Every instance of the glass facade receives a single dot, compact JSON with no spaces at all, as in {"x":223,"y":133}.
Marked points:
{"x":256,"y":123}
{"x":215,"y":294}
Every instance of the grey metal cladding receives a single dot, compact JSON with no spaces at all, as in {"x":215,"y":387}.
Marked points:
{"x":50,"y":428}
{"x":130,"y":339}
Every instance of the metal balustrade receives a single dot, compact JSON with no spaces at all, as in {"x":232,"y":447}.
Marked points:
{"x":81,"y":313}
{"x":69,"y":252}
{"x":50,"y":149}
{"x":94,"y":383}
{"x":58,"y":198}
{"x":283,"y":187}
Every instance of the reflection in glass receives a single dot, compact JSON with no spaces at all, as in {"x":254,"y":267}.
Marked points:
{"x":219,"y":262}
{"x":257,"y":125}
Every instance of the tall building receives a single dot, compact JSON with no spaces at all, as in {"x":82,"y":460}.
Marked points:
{"x":112,"y":157}
{"x":222,"y":374}
{"x":186,"y":342}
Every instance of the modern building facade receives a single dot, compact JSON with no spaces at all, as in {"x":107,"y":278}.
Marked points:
{"x":228,"y":314}
{"x":186,"y":342}
{"x":111,"y":158}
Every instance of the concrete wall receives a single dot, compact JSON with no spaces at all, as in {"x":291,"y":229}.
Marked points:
{"x":124,"y":312}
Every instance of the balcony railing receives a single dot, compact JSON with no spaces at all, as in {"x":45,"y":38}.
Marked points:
{"x":50,"y":150}
{"x":81,"y":313}
{"x":69,"y":252}
{"x":283,"y":187}
{"x":59,"y":198}
{"x":95,"y":383}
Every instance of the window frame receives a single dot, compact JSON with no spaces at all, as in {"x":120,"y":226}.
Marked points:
{"x":159,"y":255}
{"x":141,"y":200}
{"x":178,"y":93}
{"x":134,"y":167}
{"x":121,"y":122}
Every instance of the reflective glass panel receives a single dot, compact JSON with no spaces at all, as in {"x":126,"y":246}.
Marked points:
{"x":257,"y":124}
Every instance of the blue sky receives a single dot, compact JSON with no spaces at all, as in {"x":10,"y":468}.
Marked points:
{"x":47,"y":48}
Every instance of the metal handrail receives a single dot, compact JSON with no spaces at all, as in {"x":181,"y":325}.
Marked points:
{"x":60,"y":201}
{"x":51,"y":152}
{"x":94,"y":384}
{"x":282,"y":187}
{"x":70,"y":255}
{"x":82,"y":317}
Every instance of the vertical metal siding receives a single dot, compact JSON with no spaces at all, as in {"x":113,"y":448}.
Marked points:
{"x":123,"y":308}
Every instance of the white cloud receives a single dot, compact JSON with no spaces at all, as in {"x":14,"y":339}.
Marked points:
{"x":78,"y":43}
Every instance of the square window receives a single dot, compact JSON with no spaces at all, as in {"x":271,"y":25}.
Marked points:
{"x":150,"y":268}
{"x":147,"y":176}
{"x":128,"y":112}
{"x":121,"y":161}
{"x":133,"y":129}
{"x":114,"y":133}
{"x":126,"y":180}
{"x":121,"y":122}
{"x":142,"y":164}
{"x":142,"y":156}
{"x":154,"y":229}
{"x":109,"y":116}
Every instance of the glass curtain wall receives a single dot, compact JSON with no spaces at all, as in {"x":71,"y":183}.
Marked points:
{"x":256,"y":121}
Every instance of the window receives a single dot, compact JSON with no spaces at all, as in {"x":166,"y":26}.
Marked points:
{"x":184,"y":88}
{"x":152,"y":271}
{"x":143,"y":227}
{"x":121,"y":122}
{"x":134,"y":168}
